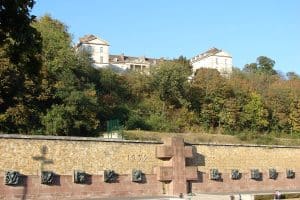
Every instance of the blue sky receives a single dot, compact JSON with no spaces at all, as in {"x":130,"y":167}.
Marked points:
{"x":170,"y":28}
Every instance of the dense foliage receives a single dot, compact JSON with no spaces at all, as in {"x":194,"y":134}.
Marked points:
{"x":20,"y":50}
{"x":48,"y":87}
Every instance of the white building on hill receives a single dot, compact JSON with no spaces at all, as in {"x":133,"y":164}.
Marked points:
{"x":215,"y":59}
{"x":99,"y":49}
{"x":124,"y":62}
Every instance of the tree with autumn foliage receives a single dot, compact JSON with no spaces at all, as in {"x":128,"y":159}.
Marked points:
{"x":20,"y":49}
{"x":68,"y":90}
{"x":49,"y":87}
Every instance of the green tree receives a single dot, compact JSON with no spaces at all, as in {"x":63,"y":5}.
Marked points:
{"x":230,"y":115}
{"x":170,"y":78}
{"x":56,"y":54}
{"x":294,"y":117}
{"x":114,"y":96}
{"x":139,"y":84}
{"x":68,"y":88}
{"x":74,"y":116}
{"x":266,"y":65}
{"x":153,"y":110}
{"x":182,"y":60}
{"x":251,"y":68}
{"x":278,"y":101}
{"x":263,"y":65}
{"x":209,"y":91}
{"x":255,"y":114}
{"x":20,"y":48}
{"x":292,"y":76}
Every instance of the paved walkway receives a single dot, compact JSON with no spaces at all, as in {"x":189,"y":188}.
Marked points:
{"x":140,"y":198}
{"x":220,"y":197}
{"x":192,"y":197}
{"x":224,"y":197}
{"x":186,"y":197}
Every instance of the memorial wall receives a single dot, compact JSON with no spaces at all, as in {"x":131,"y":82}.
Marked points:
{"x":39,"y":167}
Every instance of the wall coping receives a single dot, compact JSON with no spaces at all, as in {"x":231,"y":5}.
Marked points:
{"x":72,"y":138}
{"x":245,"y":145}
{"x":96,"y":139}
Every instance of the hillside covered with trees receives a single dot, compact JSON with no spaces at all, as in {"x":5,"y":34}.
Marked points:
{"x":48,"y":87}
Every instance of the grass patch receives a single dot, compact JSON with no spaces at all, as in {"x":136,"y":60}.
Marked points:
{"x":204,"y":137}
{"x":258,"y":138}
{"x":188,"y":137}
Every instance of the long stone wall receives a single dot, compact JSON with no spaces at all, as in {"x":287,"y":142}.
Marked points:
{"x":244,"y":158}
{"x":169,"y":168}
{"x":63,"y":155}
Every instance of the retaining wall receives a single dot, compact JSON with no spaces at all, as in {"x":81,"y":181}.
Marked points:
{"x":30,"y":155}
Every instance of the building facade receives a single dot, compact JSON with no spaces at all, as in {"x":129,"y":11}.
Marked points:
{"x":123,"y":63}
{"x":215,"y":59}
{"x":99,"y":50}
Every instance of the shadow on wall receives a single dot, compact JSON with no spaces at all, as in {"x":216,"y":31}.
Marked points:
{"x":42,"y":158}
{"x":43,"y":161}
{"x":24,"y":187}
{"x":197,"y":159}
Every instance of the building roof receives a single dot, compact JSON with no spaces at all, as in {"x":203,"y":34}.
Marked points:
{"x":89,"y":38}
{"x":131,"y":59}
{"x":208,"y":53}
{"x":212,"y":51}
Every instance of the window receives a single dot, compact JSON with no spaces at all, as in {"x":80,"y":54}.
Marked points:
{"x":88,"y":48}
{"x":137,"y":67}
{"x":101,"y":59}
{"x":101,"y":49}
{"x":225,"y":62}
{"x":217,"y":62}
